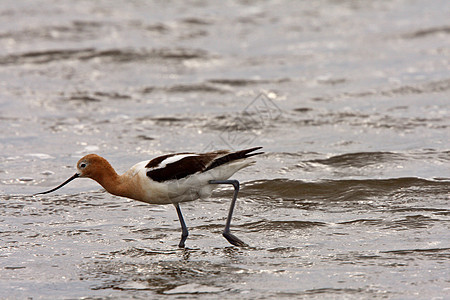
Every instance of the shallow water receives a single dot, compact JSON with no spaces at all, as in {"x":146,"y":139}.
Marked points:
{"x":349,"y":100}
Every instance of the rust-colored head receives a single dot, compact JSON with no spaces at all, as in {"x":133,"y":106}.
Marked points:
{"x":90,"y":166}
{"x":94,"y":167}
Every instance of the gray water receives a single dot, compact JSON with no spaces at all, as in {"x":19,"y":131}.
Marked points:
{"x":350,"y":100}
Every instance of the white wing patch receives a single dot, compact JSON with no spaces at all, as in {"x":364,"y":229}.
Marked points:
{"x":134,"y":170}
{"x":173,"y":159}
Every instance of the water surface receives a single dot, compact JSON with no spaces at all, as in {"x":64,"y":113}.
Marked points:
{"x":349,"y":100}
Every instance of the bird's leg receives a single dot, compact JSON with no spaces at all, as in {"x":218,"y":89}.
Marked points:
{"x":226,"y":232}
{"x":184,"y":229}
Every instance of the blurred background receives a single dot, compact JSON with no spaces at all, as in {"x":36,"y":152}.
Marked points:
{"x":350,"y":100}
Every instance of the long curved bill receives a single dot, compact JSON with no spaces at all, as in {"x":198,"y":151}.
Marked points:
{"x":61,"y":185}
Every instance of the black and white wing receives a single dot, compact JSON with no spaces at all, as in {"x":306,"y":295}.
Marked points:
{"x":181,"y":165}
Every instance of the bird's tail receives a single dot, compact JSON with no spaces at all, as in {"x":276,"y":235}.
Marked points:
{"x":227,"y":158}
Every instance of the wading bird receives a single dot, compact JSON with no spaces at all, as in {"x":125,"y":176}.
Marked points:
{"x":170,"y":179}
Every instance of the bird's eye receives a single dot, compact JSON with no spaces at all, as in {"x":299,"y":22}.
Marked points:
{"x":83,"y":165}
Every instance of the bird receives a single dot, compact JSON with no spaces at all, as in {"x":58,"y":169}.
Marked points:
{"x":171,"y":179}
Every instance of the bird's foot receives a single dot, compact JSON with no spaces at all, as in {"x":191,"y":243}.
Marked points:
{"x":234,"y":240}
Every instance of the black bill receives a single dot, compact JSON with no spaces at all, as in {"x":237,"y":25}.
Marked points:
{"x":61,"y":185}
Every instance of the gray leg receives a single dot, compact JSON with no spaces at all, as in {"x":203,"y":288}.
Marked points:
{"x":226,"y":232}
{"x":184,"y":230}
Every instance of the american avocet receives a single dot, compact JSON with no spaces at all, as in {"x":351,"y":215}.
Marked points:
{"x":170,"y":179}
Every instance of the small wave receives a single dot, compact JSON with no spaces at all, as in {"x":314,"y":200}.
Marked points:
{"x":427,"y":32}
{"x":221,"y":86}
{"x":426,"y":87}
{"x":279,"y":225}
{"x":376,"y":120}
{"x":140,"y":252}
{"x":86,"y":97}
{"x":372,"y":164}
{"x":115,"y":55}
{"x":170,"y":120}
{"x":41,"y":57}
{"x":411,"y":222}
{"x":245,"y":82}
{"x":359,"y":159}
{"x":197,"y":21}
{"x":419,"y":88}
{"x":196,"y":88}
{"x":75,"y":31}
{"x":341,"y":190}
{"x":370,"y":222}
{"x":426,"y":251}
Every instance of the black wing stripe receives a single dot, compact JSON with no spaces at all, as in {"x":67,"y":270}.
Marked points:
{"x":182,"y":168}
{"x":190,"y":165}
{"x":232,"y":156}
